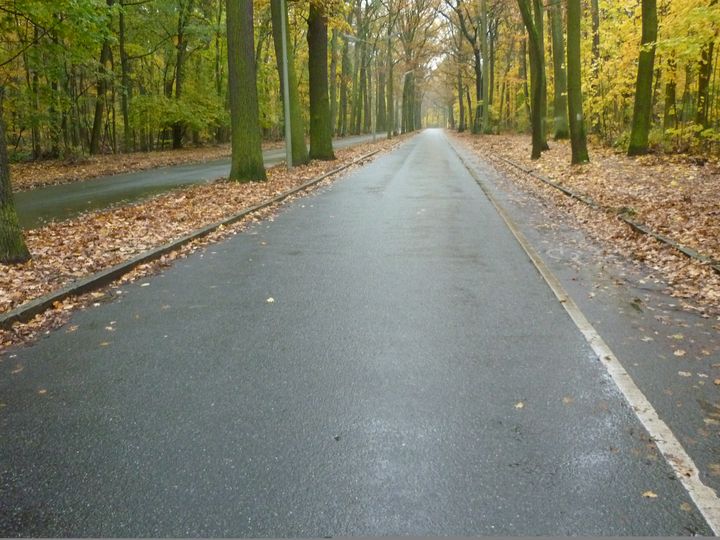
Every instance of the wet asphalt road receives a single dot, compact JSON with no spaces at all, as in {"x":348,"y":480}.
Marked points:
{"x":414,"y":375}
{"x":38,"y":206}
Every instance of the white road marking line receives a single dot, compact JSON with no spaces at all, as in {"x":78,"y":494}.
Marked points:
{"x":672,"y":450}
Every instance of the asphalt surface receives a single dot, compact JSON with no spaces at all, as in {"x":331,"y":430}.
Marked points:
{"x":412,"y":375}
{"x":38,"y":206}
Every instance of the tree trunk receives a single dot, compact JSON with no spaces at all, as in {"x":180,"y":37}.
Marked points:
{"x":185,"y":11}
{"x":595,"y":15}
{"x":101,"y":87}
{"x":643,"y":89}
{"x":381,"y":118}
{"x":537,"y":78}
{"x":12,"y":245}
{"x":560,"y":102}
{"x":469,"y":106}
{"x":247,"y":159}
{"x":477,"y":57}
{"x":126,"y":91}
{"x":391,"y":125}
{"x":461,"y":104}
{"x":704,"y":75}
{"x":524,"y":77}
{"x":670,"y":115}
{"x":575,"y":101}
{"x":345,"y":80}
{"x":333,"y":79}
{"x":485,"y":49}
{"x":297,"y":124}
{"x":320,"y":128}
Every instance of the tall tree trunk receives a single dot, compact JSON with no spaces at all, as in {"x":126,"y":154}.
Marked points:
{"x":390,"y":85}
{"x":461,"y":104}
{"x":366,"y":83}
{"x":320,"y":128}
{"x":524,"y":77}
{"x":297,"y":123}
{"x":381,"y":118}
{"x":537,"y":77}
{"x":408,"y":103}
{"x":485,"y":49}
{"x":477,"y":57}
{"x":126,"y":91}
{"x":12,"y":245}
{"x":333,"y":79}
{"x":247,"y":159}
{"x":575,"y":101}
{"x":560,"y":101}
{"x":469,"y":106}
{"x":642,"y":112}
{"x":704,"y":75}
{"x":670,"y":115}
{"x":595,"y":16}
{"x":101,"y":87}
{"x":345,"y":80}
{"x":185,"y":12}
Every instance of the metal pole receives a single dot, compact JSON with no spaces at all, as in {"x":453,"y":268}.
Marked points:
{"x":286,"y":85}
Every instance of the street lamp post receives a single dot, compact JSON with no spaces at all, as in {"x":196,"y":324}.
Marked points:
{"x":286,"y":85}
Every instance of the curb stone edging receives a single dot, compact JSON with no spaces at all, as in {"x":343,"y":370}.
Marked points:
{"x":27,"y":311}
{"x":622,"y":216}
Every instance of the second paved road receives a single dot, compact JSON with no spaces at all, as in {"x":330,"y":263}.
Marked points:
{"x":414,"y":375}
{"x":40,"y":205}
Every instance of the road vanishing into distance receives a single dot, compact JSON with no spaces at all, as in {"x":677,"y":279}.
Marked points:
{"x":381,"y":358}
{"x":57,"y":202}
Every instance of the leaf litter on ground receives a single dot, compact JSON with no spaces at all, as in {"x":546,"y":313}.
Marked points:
{"x":673,"y":195}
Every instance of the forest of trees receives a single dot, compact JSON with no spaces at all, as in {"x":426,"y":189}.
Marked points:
{"x":83,"y":77}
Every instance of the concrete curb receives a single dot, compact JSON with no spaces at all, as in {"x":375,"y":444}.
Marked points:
{"x":27,"y":311}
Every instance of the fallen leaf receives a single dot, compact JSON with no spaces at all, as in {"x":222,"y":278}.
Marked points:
{"x":650,"y":495}
{"x":567,"y":400}
{"x":684,"y":374}
{"x":270,"y":300}
{"x":679,"y":352}
{"x":519,"y":405}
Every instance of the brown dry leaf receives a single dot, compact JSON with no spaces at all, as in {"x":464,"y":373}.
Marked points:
{"x":519,"y":405}
{"x":650,"y":495}
{"x":670,"y":194}
{"x":679,"y":352}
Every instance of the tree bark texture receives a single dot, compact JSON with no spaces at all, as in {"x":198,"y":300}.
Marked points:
{"x":578,"y":138}
{"x":247,"y":159}
{"x":320,"y":128}
{"x":642,"y":111}
{"x":12,"y":245}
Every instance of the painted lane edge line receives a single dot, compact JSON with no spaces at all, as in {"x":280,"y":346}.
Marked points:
{"x":675,"y":455}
